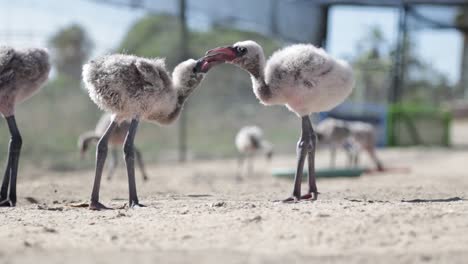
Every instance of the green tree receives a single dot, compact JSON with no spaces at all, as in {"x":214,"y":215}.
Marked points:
{"x":461,"y":20}
{"x":70,"y":47}
{"x":423,"y":84}
{"x":372,"y":67}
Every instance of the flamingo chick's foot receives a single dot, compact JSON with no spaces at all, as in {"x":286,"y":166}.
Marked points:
{"x":134,"y":204}
{"x":97,"y":206}
{"x":310,"y":196}
{"x":292,"y":199}
{"x":7,"y":203}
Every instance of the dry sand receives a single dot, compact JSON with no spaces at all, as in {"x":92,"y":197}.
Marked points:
{"x":198,"y":213}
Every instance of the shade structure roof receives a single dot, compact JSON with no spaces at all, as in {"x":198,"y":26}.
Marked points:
{"x":392,"y":2}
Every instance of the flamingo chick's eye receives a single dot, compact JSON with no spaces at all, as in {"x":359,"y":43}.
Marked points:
{"x":241,"y":50}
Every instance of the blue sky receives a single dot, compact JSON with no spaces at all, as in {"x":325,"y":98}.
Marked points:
{"x":33,"y":22}
{"x":105,"y":24}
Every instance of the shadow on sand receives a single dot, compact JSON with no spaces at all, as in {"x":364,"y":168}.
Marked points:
{"x":447,"y":200}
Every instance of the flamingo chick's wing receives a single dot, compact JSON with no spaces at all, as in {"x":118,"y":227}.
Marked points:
{"x":6,"y":55}
{"x":308,"y":79}
{"x":297,"y":65}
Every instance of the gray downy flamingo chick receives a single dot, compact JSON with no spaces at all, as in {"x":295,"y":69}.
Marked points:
{"x":134,"y":88}
{"x":304,"y":78}
{"x":116,"y":139}
{"x":352,"y":136}
{"x":363,"y":136}
{"x":250,"y":141}
{"x":22,"y":73}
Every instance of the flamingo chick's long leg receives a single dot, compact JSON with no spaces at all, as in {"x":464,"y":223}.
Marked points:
{"x":250,"y":163}
{"x":5,"y":183}
{"x":129,"y":151}
{"x":139,"y":160}
{"x":304,"y":145}
{"x":11,"y":170}
{"x":101,"y":154}
{"x":240,"y":163}
{"x":373,"y":156}
{"x":312,"y":188}
{"x":332,"y":155}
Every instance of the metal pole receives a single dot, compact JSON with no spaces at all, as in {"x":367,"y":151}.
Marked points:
{"x":323,"y":34}
{"x":399,"y":69}
{"x":183,"y":55}
{"x":400,"y":58}
{"x":403,"y":60}
{"x":274,"y":18}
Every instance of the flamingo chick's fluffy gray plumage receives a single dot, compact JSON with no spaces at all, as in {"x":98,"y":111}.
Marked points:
{"x":134,"y":88}
{"x":249,"y":141}
{"x":352,"y":136}
{"x":116,"y":139}
{"x":22,"y":72}
{"x":302,"y":77}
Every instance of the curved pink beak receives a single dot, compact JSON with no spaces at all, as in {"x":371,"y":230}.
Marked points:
{"x":223,"y":54}
{"x":214,"y":57}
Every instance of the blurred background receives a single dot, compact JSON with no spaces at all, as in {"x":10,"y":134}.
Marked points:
{"x":410,"y":59}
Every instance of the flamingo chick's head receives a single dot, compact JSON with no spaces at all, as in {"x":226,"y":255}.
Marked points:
{"x":248,"y":55}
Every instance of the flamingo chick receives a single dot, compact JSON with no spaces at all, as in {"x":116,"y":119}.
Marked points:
{"x":22,"y":73}
{"x":352,"y":136}
{"x":249,"y":141}
{"x":134,"y":88}
{"x":304,"y":78}
{"x":116,"y":139}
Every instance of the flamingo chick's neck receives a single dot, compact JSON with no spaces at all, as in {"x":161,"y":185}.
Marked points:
{"x":255,"y":66}
{"x":262,"y":90}
{"x":185,"y":80}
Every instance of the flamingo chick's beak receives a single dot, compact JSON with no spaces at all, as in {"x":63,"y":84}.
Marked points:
{"x":223,"y":54}
{"x":214,"y":57}
{"x":206,"y":63}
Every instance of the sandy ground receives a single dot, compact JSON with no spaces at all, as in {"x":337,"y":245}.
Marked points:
{"x":198,"y":213}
